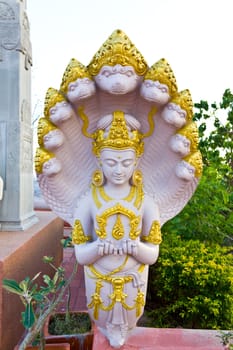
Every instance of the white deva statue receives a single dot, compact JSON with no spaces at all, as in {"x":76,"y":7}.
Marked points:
{"x":117,"y":158}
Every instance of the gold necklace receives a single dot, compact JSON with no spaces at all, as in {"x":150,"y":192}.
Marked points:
{"x":107,"y":198}
{"x":134,"y":192}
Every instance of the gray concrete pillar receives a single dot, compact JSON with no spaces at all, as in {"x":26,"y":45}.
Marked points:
{"x":16,"y":138}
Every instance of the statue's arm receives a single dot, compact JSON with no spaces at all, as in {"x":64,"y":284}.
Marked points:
{"x":86,"y":248}
{"x":86,"y":253}
{"x":148,"y":245}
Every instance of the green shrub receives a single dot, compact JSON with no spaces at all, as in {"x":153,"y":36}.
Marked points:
{"x":209,"y":214}
{"x":191,"y":286}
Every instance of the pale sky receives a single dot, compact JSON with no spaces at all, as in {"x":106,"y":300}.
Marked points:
{"x":194,"y":36}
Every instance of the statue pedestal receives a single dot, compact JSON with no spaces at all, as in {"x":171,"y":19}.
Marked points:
{"x":21,"y":254}
{"x":143,"y":338}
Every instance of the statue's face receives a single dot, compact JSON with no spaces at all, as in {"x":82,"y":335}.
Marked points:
{"x":174,"y":115}
{"x":60,"y":112}
{"x":80,"y":89}
{"x":154,"y":91}
{"x":118,"y":79}
{"x":53,"y":139}
{"x":185,"y":171}
{"x":51,"y":167}
{"x":118,"y":166}
{"x":180,"y":144}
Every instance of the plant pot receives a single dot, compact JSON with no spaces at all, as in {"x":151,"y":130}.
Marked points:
{"x":61,"y":346}
{"x":77,"y":340}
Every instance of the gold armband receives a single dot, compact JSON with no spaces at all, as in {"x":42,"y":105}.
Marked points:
{"x":154,"y":235}
{"x":78,"y":236}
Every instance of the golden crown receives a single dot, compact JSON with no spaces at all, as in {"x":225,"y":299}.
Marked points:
{"x":52,"y":97}
{"x":162,"y":72}
{"x":190,"y":131}
{"x":44,"y":127}
{"x":119,"y":137}
{"x":41,"y":157}
{"x":118,"y":49}
{"x":184,"y":100}
{"x":195,"y":159}
{"x":73,"y":71}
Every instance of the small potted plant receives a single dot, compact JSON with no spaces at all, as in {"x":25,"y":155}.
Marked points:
{"x":74,"y":327}
{"x":227,"y":339}
{"x":39,"y":302}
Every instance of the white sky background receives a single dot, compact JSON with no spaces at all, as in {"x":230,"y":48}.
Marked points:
{"x":195,"y":37}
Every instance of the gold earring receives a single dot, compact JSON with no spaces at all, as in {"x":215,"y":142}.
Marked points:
{"x":98,"y":178}
{"x":137,"y":178}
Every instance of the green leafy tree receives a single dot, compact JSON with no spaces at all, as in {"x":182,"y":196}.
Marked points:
{"x":191,"y":285}
{"x":209,"y":214}
{"x":216,"y":141}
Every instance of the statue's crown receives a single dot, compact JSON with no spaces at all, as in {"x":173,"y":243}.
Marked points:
{"x":184,"y":100}
{"x":74,"y":70}
{"x":190,"y":131}
{"x":119,"y":136}
{"x":162,"y":72}
{"x":52,"y":97}
{"x":42,"y":156}
{"x":195,"y":159}
{"x":118,"y":49}
{"x":44,"y":127}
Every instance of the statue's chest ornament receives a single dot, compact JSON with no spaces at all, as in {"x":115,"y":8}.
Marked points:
{"x":120,"y":212}
{"x":118,"y":231}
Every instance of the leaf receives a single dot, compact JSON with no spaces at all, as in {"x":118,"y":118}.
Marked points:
{"x":46,"y":279}
{"x":55,"y":277}
{"x":12,"y":286}
{"x":47,"y":259}
{"x":38,"y":297}
{"x":225,"y":197}
{"x":25,"y":284}
{"x":28,"y":316}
